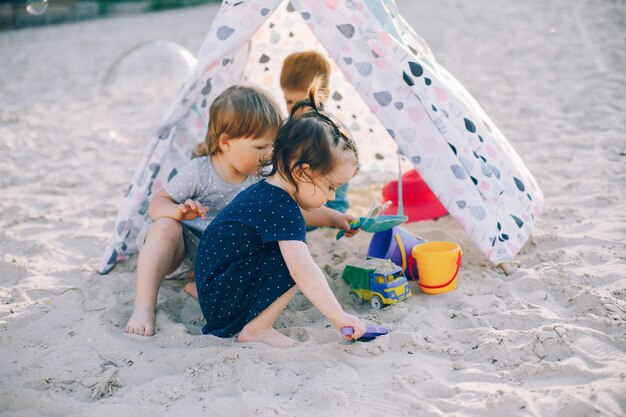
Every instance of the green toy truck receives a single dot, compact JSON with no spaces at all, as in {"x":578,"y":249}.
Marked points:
{"x":378,"y":280}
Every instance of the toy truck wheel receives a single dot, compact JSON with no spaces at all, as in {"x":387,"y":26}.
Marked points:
{"x":355,"y":297}
{"x":376,"y":303}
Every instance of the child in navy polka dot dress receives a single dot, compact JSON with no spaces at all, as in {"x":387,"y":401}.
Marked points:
{"x":243,"y":122}
{"x":253,"y":257}
{"x":299,"y":69}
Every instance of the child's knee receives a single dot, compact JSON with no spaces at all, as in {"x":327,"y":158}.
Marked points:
{"x":166,"y":228}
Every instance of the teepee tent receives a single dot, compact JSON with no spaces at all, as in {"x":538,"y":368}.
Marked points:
{"x":386,"y":87}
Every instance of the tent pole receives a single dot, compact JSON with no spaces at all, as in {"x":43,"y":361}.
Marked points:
{"x":400,"y":203}
{"x":506,"y":268}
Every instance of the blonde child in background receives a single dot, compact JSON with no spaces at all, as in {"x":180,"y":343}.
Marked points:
{"x":298,"y":71}
{"x":243,"y":122}
{"x":253,"y":257}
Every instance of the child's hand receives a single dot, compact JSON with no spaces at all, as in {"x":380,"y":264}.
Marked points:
{"x":342,"y":221}
{"x":348,"y":320}
{"x":190,"y":210}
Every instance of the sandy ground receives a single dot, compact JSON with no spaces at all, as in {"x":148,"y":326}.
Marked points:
{"x":548,"y":340}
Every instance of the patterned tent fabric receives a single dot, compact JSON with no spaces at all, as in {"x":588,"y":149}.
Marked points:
{"x":386,"y":87}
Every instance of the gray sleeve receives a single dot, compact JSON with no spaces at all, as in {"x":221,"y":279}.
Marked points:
{"x":186,"y":183}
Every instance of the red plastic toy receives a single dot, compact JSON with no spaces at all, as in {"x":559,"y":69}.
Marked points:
{"x":420,"y":203}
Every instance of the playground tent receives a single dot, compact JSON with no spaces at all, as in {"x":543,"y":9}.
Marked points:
{"x":386,"y":87}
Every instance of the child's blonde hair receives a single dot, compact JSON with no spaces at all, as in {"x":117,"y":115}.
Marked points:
{"x":300,"y":68}
{"x":240,"y":112}
{"x":311,"y":138}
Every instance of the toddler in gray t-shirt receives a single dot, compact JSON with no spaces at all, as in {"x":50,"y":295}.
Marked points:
{"x":243,"y":122}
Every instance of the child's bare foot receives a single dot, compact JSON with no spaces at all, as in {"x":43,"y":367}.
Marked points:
{"x":191,"y":289}
{"x":267,"y":336}
{"x":142,"y":321}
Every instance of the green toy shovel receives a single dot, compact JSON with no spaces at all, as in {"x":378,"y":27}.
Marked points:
{"x":372,"y":222}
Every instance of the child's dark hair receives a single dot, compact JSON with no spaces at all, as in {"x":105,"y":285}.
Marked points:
{"x":308,"y":138}
{"x":240,"y":112}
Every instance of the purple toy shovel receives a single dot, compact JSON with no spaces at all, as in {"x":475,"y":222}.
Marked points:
{"x":371,"y":332}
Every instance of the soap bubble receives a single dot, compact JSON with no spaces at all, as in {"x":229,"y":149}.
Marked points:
{"x":140,"y":85}
{"x":36,"y":6}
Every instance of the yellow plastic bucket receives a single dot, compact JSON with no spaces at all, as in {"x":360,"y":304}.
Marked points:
{"x":438,"y":265}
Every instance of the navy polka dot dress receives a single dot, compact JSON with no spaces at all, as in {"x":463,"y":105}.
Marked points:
{"x":239,"y":269}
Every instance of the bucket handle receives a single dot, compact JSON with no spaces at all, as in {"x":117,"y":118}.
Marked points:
{"x":458,"y":266}
{"x":410,"y":268}
{"x":410,"y":259}
{"x":402,"y":251}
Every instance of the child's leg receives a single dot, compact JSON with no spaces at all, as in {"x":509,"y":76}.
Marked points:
{"x":260,"y":328}
{"x":192,"y":240}
{"x":191,"y":289}
{"x":161,"y":254}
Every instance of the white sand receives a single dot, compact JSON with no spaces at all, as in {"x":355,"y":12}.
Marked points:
{"x":549,"y":340}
